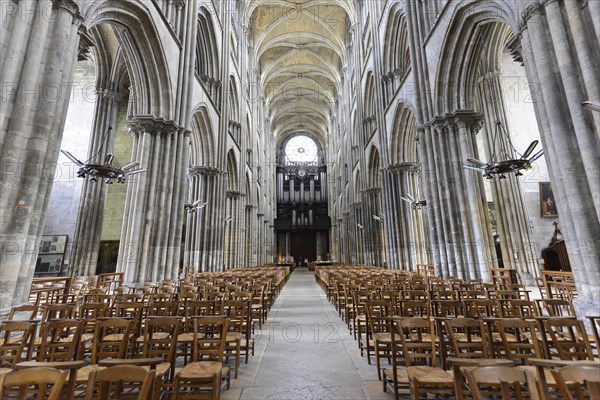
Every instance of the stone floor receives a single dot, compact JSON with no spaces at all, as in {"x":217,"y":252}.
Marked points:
{"x":305,"y":351}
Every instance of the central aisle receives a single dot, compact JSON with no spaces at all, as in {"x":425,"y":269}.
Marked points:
{"x":305,"y":351}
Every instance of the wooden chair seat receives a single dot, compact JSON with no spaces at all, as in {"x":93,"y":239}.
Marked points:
{"x":36,"y":341}
{"x":5,"y":371}
{"x":233,"y":336}
{"x":87,"y":337}
{"x":161,"y":368}
{"x":427,"y":376}
{"x":402,"y":374}
{"x":114,"y":337}
{"x":533,"y":371}
{"x":185,"y":338}
{"x":157,"y":335}
{"x":201,"y":370}
{"x":430,"y":338}
{"x":83,"y":373}
{"x":382,"y":337}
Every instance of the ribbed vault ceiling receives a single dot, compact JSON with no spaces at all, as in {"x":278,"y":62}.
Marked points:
{"x":301,"y":49}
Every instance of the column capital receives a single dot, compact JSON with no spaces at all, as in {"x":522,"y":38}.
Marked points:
{"x":71,"y":7}
{"x":374,"y":189}
{"x":404,"y":167}
{"x":545,"y":3}
{"x":202,"y":170}
{"x":151,"y":124}
{"x":468,"y":118}
{"x":232,"y":194}
{"x":528,"y":12}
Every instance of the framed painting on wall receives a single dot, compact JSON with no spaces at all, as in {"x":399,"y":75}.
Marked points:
{"x":547,"y":202}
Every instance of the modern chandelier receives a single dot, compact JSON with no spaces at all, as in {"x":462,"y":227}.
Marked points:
{"x":107,"y":169}
{"x":503,"y":160}
{"x":502,"y":163}
{"x":415,"y":204}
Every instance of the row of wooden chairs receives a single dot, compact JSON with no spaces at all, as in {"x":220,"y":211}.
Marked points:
{"x":121,"y":328}
{"x":422,"y":326}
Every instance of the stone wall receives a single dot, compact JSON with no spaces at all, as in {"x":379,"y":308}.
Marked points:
{"x":66,"y":191}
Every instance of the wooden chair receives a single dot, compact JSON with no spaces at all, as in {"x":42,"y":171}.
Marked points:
{"x":578,"y":381}
{"x":15,"y":342}
{"x":60,"y":341}
{"x":133,"y":311}
{"x":483,"y":308}
{"x":507,"y":383}
{"x":163,"y":309}
{"x":518,"y":309}
{"x":239,"y":313}
{"x":520,"y":339}
{"x":203,"y":376}
{"x":32,"y":383}
{"x":448,"y":308}
{"x":468,"y":337}
{"x":195,"y":308}
{"x":259,"y":306}
{"x":160,"y":340}
{"x":89,"y":313}
{"x":569,"y":339}
{"x":111,"y":340}
{"x":556,"y":307}
{"x":117,"y":382}
{"x":419,"y":349}
{"x":595,"y":321}
{"x":25,"y":312}
{"x":378,"y":312}
{"x":359,"y":324}
{"x":395,"y":377}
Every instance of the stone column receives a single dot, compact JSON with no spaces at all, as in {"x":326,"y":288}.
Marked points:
{"x":154,"y":204}
{"x":514,"y":228}
{"x":200,"y":183}
{"x":37,"y":70}
{"x":462,"y":239}
{"x":88,"y":228}
{"x":569,"y":145}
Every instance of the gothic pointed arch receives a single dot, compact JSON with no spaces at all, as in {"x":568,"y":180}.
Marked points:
{"x":144,"y":53}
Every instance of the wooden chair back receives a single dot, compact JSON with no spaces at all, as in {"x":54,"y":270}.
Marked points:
{"x":520,"y":339}
{"x":418,"y":344}
{"x":23,"y":312}
{"x":33,"y":383}
{"x":416,"y":308}
{"x":60,"y":341}
{"x":569,"y":338}
{"x":556,"y":307}
{"x":15,"y":342}
{"x":378,"y":312}
{"x":160,"y":339}
{"x":163,"y":309}
{"x":210,"y":334}
{"x":111,"y":338}
{"x":117,"y":381}
{"x":468,"y":337}
{"x":133,"y":311}
{"x":500,"y":382}
{"x":578,"y":382}
{"x":448,"y":308}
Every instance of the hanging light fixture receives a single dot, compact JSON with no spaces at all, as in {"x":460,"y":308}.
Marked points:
{"x":501,"y":162}
{"x":108,"y":169}
{"x":415,"y":204}
{"x":195,"y":206}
